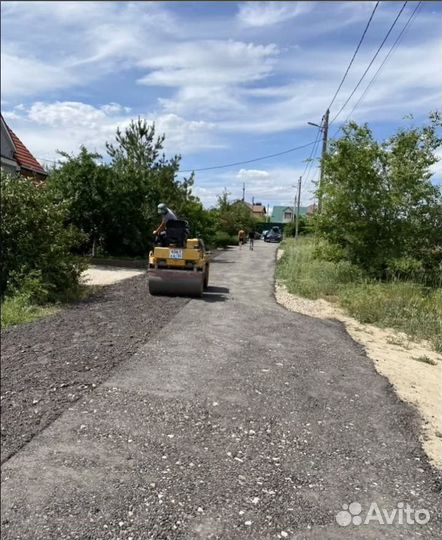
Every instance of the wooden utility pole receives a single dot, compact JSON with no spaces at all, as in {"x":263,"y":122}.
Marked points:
{"x":243,"y":191}
{"x":294,"y":208}
{"x":298,"y":201}
{"x":324,"y":151}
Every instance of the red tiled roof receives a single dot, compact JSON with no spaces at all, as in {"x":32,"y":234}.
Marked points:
{"x":23,"y":157}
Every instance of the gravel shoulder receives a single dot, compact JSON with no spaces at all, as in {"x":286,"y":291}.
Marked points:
{"x":49,"y":364}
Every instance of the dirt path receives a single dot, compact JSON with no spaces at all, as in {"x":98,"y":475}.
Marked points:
{"x":108,"y":275}
{"x":239,"y":420}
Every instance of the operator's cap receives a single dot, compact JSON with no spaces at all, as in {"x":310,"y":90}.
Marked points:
{"x":162,"y":208}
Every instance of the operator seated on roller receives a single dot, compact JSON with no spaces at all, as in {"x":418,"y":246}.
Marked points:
{"x":160,"y":231}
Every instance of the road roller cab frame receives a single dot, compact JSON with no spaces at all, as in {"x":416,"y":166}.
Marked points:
{"x":180,"y":265}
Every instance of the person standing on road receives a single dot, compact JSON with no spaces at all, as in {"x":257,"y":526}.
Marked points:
{"x":241,"y":238}
{"x":251,"y":239}
{"x":166,"y":215}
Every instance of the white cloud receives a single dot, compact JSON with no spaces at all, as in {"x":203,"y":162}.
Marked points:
{"x":78,"y":42}
{"x":113,"y":108}
{"x":21,"y":76}
{"x":186,"y":136}
{"x":251,"y":173}
{"x":273,"y":186}
{"x":209,"y":63}
{"x":269,"y":13}
{"x":208,"y":75}
{"x":436,"y":169}
{"x":208,"y":79}
{"x":405,"y":84}
{"x":47,"y":127}
{"x":67,"y":113}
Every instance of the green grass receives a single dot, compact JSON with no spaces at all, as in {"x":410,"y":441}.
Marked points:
{"x":403,"y":305}
{"x":307,"y":276}
{"x":18,"y":309}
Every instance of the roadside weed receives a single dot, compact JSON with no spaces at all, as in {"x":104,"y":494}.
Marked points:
{"x":404,"y":305}
{"x":425,"y":360}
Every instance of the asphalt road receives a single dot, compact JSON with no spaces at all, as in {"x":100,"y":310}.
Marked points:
{"x":239,"y":420}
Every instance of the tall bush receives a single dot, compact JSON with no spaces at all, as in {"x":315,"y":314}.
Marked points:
{"x":36,"y":245}
{"x":379,"y":204}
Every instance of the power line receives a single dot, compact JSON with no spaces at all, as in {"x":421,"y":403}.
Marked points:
{"x":311,"y":158}
{"x":313,"y":151}
{"x":371,"y":62}
{"x":354,"y":55}
{"x":387,"y":56}
{"x":249,"y":160}
{"x":311,"y":143}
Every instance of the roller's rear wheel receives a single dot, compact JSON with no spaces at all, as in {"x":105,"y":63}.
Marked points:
{"x":177,"y":286}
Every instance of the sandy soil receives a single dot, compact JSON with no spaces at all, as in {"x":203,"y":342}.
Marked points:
{"x":107,"y":275}
{"x":395,"y":356}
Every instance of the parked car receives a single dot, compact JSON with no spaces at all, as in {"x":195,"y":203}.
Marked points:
{"x":274,"y":235}
{"x":264,"y":234}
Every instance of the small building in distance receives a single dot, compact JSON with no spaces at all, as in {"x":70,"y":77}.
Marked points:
{"x":258,"y":210}
{"x":286,"y":214}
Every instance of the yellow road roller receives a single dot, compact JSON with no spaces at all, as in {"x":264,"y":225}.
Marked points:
{"x":178,"y":266}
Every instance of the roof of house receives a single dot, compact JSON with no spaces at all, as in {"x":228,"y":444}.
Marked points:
{"x":23,"y":156}
{"x":256,"y":208}
{"x":278,"y":212}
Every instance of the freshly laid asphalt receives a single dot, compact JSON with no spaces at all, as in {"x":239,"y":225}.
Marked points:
{"x":238,"y":420}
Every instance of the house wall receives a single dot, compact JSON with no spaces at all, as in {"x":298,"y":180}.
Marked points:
{"x":7,"y":167}
{"x":8,"y":162}
{"x":7,"y":150}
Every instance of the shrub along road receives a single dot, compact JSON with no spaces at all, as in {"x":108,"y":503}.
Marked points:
{"x":237,"y":420}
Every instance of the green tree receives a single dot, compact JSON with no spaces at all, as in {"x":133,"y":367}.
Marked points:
{"x":143,"y":178}
{"x":303,"y":227}
{"x":36,"y":245}
{"x":232,"y":216}
{"x":88,"y":189}
{"x":379,"y":204}
{"x":115,"y":204}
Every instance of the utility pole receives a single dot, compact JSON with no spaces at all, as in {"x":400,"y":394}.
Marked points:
{"x":298,"y":201}
{"x":243,"y":191}
{"x":294,"y":207}
{"x":324,"y":151}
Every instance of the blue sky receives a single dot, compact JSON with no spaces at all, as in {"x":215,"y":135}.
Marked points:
{"x":225,"y":81}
